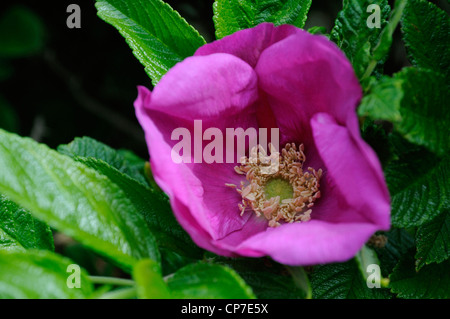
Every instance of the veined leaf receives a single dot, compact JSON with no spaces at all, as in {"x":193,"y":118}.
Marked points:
{"x":158,"y":35}
{"x":418,"y":183}
{"x":176,"y":247}
{"x":267,"y":279}
{"x":414,"y":100}
{"x":19,"y":229}
{"x":426,"y":31}
{"x":429,"y":282}
{"x":203,"y":280}
{"x":74,"y":199}
{"x":398,"y":243}
{"x":234,"y":15}
{"x":153,"y":206}
{"x":40,"y":275}
{"x":343,"y":281}
{"x":423,"y":108}
{"x":88,"y":147}
{"x":9,"y":243}
{"x":433,"y":240}
{"x":195,"y":281}
{"x":352,"y":34}
{"x":383,"y":100}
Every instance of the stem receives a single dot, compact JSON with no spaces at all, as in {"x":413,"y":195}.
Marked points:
{"x":124,"y":293}
{"x":390,"y":28}
{"x":166,"y":278}
{"x":111,"y":281}
{"x":369,"y":70}
{"x":396,"y":15}
{"x":301,"y":280}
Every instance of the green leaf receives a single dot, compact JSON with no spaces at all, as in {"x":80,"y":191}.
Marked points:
{"x":352,"y":34}
{"x":423,"y":109}
{"x":418,"y":183}
{"x":158,"y":35}
{"x":149,"y":282}
{"x":429,"y":282}
{"x":383,"y":100}
{"x":426,"y":31}
{"x":155,"y":209}
{"x":124,"y":161}
{"x":21,"y":33}
{"x":203,"y":280}
{"x":268,"y":280}
{"x":381,"y":49}
{"x":9,"y":243}
{"x":173,"y":257}
{"x":136,"y":164}
{"x":74,"y":199}
{"x":20,"y":229}
{"x":414,"y":100}
{"x":343,"y":281}
{"x":195,"y":281}
{"x":39,"y":275}
{"x":234,"y":15}
{"x":433,"y":240}
{"x":398,"y":243}
{"x":176,"y":247}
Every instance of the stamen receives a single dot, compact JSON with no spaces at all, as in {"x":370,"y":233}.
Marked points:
{"x":277,"y":186}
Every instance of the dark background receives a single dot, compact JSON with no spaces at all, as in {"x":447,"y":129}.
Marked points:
{"x":82,"y":82}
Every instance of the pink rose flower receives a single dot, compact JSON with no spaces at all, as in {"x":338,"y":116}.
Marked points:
{"x":331,"y":197}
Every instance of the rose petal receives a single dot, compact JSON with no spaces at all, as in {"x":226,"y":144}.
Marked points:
{"x":305,"y":74}
{"x":310,"y":243}
{"x":206,"y":87}
{"x":249,"y":43}
{"x":221,"y":92}
{"x":350,"y":170}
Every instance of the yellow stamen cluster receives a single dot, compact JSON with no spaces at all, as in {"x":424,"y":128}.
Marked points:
{"x":260,"y":170}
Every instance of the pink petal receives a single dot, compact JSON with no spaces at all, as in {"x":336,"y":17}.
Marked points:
{"x":206,"y":87}
{"x":351,"y":171}
{"x":249,"y":43}
{"x":313,"y":242}
{"x":305,"y":74}
{"x":219,"y":89}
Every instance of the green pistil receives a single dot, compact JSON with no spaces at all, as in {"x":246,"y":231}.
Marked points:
{"x":278,"y":187}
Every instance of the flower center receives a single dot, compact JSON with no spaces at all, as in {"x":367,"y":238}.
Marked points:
{"x":278,"y":188}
